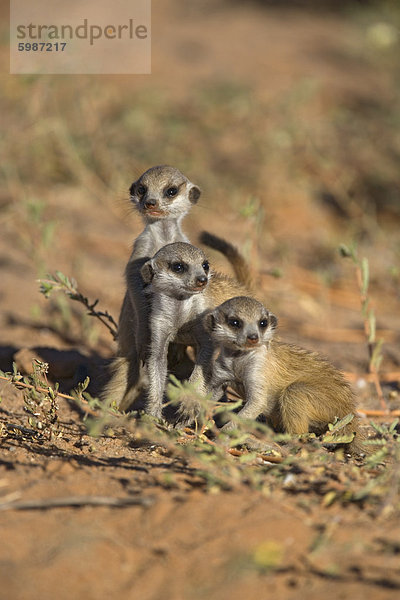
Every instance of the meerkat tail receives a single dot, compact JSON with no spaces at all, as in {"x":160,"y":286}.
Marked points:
{"x":238,"y":262}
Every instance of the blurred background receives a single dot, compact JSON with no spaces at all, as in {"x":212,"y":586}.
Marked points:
{"x":285,"y":113}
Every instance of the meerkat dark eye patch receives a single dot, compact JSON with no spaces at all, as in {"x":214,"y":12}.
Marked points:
{"x":263,"y":323}
{"x":233,"y":322}
{"x":141,"y":190}
{"x":206,"y":266}
{"x":178,"y":267}
{"x":172,"y":191}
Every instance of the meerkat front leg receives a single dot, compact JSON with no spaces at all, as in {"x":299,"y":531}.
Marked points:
{"x":255,"y":396}
{"x":138,"y":302}
{"x":202,"y":368}
{"x":157,"y":366}
{"x":190,"y":409}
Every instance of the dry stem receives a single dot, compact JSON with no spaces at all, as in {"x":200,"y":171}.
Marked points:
{"x":371,"y":345}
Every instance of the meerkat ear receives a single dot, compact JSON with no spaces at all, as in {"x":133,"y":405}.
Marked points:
{"x":209,"y":322}
{"x":273,"y":321}
{"x":194,"y":194}
{"x":132,"y":189}
{"x":147,"y":272}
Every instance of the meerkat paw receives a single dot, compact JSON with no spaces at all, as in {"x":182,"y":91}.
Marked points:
{"x":154,"y":411}
{"x":187,"y":414}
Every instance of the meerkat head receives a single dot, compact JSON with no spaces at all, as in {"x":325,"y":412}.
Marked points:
{"x":178,"y":270}
{"x":162,"y":193}
{"x":241,"y":323}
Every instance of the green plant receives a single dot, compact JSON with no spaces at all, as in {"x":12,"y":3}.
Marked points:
{"x":374,"y":345}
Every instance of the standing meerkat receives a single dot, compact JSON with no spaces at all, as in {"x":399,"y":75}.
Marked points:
{"x":297,"y":390}
{"x":162,"y":196}
{"x":182,"y":288}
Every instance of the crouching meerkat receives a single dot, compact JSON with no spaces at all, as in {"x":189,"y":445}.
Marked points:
{"x":182,"y":288}
{"x":162,"y":196}
{"x":297,"y":390}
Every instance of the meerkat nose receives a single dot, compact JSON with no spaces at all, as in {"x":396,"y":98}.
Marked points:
{"x":252,"y":338}
{"x":150,"y":203}
{"x":201,"y":280}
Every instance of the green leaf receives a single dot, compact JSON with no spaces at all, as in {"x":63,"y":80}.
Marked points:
{"x":336,"y":433}
{"x":372,"y":327}
{"x":336,"y":438}
{"x":345,"y":251}
{"x":365,"y":275}
{"x":376,"y":357}
{"x":339,"y":424}
{"x":349,"y":251}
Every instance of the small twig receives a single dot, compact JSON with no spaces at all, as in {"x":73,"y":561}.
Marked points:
{"x":103,"y":316}
{"x":387,"y":376}
{"x":379,"y":413}
{"x":11,"y":427}
{"x":271,"y":458}
{"x":362,"y":277}
{"x":71,"y":501}
{"x":370,"y":344}
{"x":59,"y":281}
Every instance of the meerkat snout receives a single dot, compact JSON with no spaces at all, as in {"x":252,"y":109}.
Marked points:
{"x":201,"y":281}
{"x":150,"y":203}
{"x":252,"y":339}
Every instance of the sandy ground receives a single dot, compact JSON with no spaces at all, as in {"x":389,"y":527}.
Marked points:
{"x":186,"y":538}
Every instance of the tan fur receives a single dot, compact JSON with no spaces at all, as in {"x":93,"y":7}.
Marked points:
{"x":297,"y":390}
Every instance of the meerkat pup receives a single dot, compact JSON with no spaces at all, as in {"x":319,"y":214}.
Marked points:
{"x":182,"y":288}
{"x":297,"y":390}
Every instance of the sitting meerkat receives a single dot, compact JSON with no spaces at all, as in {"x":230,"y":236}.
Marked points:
{"x":162,"y":196}
{"x":297,"y":390}
{"x":182,"y":288}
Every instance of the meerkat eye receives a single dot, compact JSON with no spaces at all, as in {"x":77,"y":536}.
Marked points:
{"x":172,"y":191}
{"x":232,"y":322}
{"x":177,"y":267}
{"x":206,"y":266}
{"x":141,"y":190}
{"x":263,"y":323}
